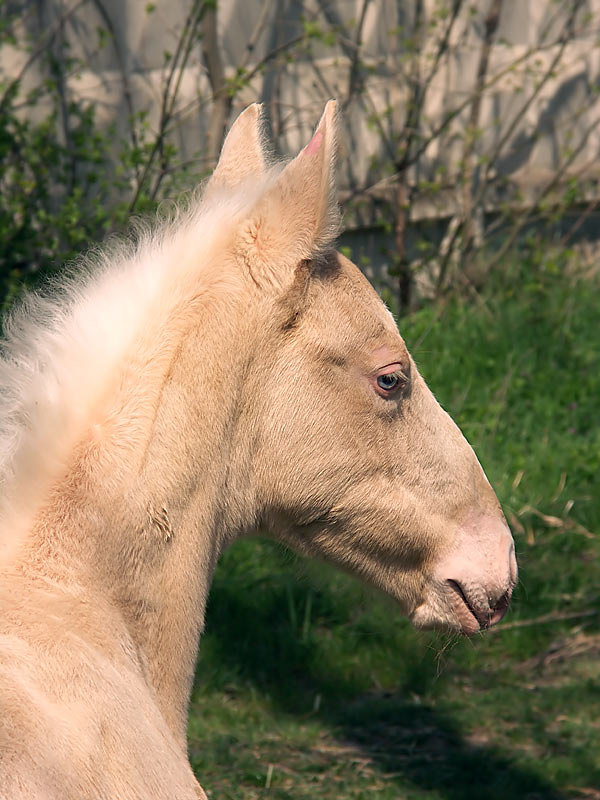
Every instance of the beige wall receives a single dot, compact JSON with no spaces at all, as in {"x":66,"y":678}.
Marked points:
{"x":561,"y":116}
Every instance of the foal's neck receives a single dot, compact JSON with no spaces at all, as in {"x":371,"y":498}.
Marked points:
{"x":142,"y":515}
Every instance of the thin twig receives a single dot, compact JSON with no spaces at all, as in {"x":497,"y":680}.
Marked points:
{"x":592,"y":206}
{"x":124,"y":75}
{"x":468,"y":168}
{"x":258,"y":29}
{"x":443,"y":125}
{"x":443,"y":44}
{"x":525,"y":218}
{"x":520,"y":115}
{"x":182,"y":52}
{"x":354,"y":72}
{"x":38,"y":52}
{"x":553,"y":616}
{"x":195,"y":105}
{"x":563,"y":40}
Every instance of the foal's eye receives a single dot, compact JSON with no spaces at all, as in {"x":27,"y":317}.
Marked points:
{"x":389,"y":382}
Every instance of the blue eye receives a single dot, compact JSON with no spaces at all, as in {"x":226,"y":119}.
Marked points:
{"x":388,"y":382}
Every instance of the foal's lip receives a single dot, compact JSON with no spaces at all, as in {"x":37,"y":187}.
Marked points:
{"x":471,"y":615}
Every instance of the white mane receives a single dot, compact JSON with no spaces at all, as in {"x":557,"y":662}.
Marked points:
{"x":62,"y":347}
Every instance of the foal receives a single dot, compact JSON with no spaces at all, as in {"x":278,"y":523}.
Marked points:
{"x":228,"y":373}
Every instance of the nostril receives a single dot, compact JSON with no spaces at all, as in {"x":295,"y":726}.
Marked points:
{"x":500,"y":609}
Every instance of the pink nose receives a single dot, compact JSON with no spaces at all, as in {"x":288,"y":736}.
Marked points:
{"x":479,"y":574}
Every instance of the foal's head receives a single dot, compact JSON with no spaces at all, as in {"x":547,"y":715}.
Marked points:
{"x":353,"y":460}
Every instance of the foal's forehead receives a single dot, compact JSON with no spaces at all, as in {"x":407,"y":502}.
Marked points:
{"x":361,"y":306}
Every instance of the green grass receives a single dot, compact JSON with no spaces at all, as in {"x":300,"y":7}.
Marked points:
{"x":311,"y":686}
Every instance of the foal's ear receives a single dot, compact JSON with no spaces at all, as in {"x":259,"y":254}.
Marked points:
{"x":242,"y":154}
{"x":297,"y":217}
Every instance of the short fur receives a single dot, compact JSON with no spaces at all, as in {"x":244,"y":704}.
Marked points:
{"x":216,"y":377}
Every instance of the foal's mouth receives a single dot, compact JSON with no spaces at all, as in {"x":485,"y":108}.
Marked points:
{"x":473,"y":613}
{"x":452,"y":606}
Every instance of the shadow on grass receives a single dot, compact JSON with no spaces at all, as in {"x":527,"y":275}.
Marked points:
{"x":423,"y":746}
{"x":250,"y":637}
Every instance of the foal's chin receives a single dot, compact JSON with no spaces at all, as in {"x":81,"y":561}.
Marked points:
{"x":424,"y":619}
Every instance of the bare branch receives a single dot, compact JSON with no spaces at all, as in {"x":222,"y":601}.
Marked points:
{"x":443,"y":44}
{"x":492,"y":158}
{"x":258,"y":29}
{"x":354,"y":78}
{"x":221,"y":99}
{"x":525,"y":218}
{"x":40,"y":50}
{"x":195,"y":105}
{"x":123,"y":71}
{"x":169,"y":98}
{"x":553,"y":616}
{"x":490,"y":26}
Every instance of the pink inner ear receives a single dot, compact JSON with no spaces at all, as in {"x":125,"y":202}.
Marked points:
{"x":315,"y":143}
